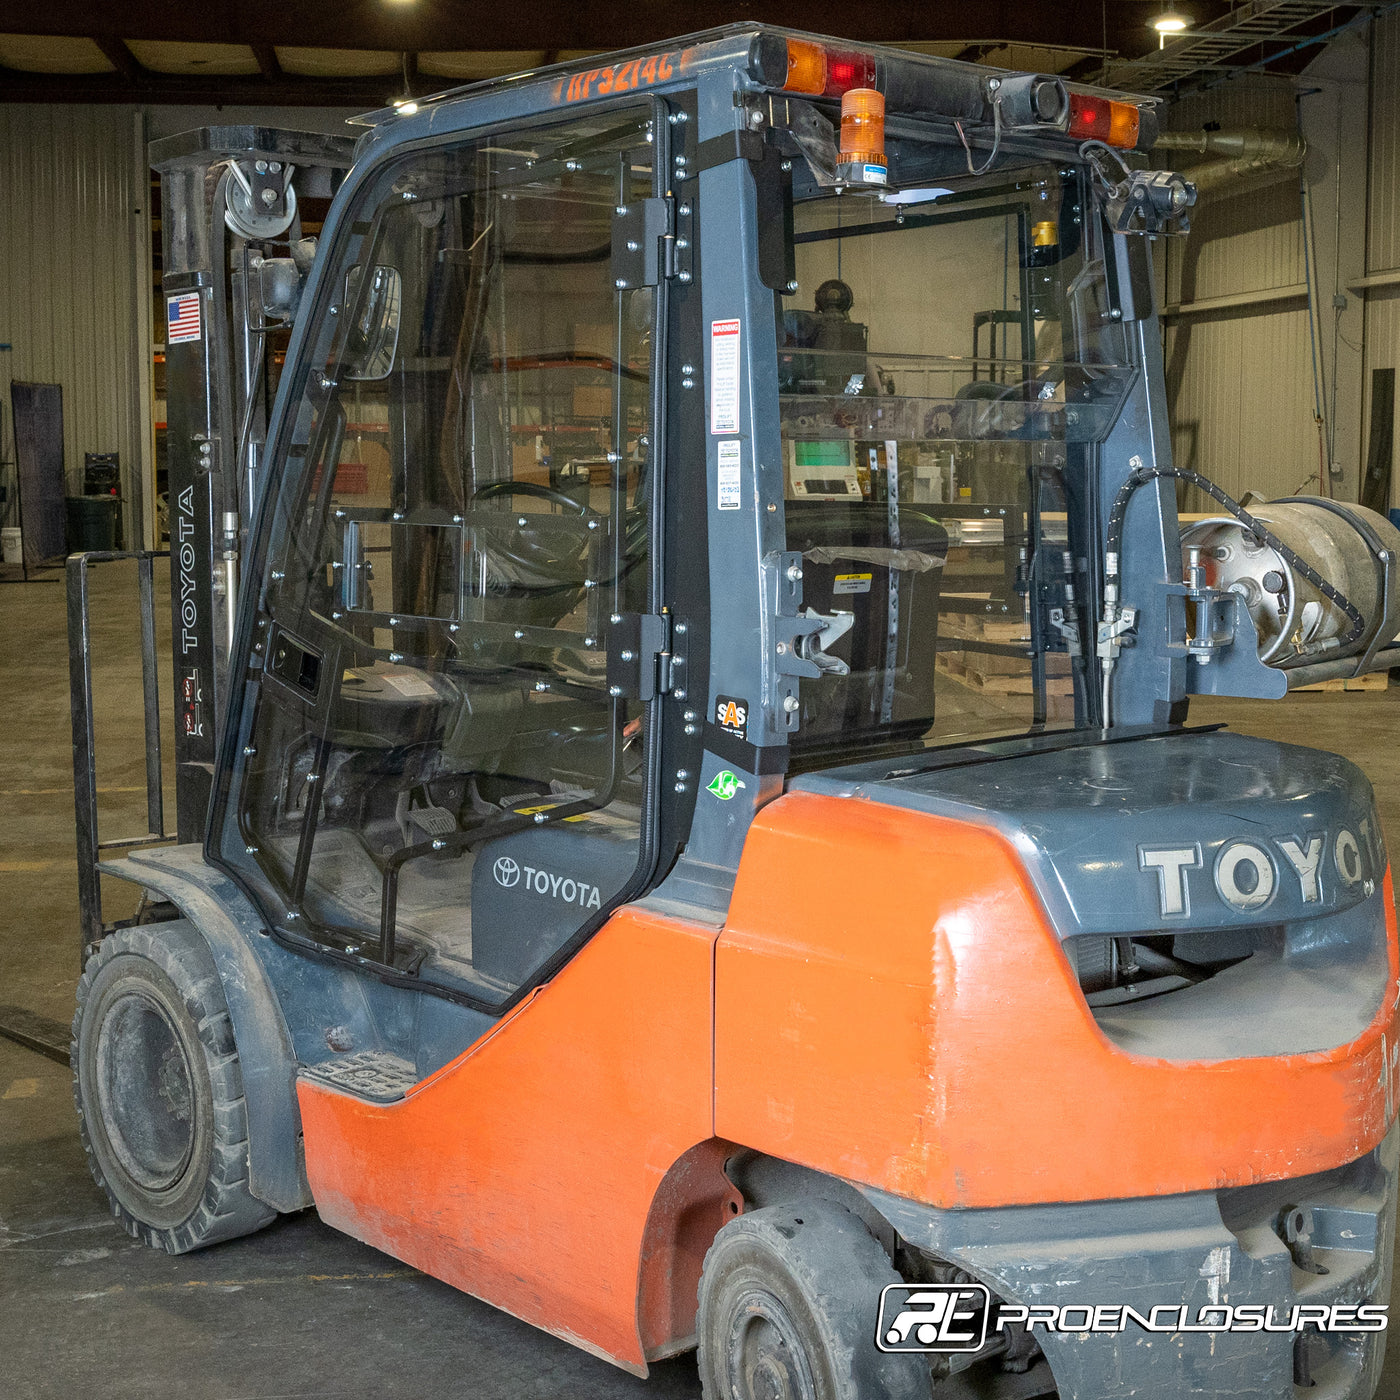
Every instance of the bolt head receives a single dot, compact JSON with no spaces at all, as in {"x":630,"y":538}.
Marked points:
{"x":790,"y":704}
{"x":679,"y":694}
{"x":614,"y":690}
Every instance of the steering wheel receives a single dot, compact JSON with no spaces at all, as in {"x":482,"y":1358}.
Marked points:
{"x":492,"y":489}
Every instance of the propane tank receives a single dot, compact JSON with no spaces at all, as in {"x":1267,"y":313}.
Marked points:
{"x":1355,"y":549}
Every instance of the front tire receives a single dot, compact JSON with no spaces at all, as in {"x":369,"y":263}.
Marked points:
{"x":159,"y":1092}
{"x":788,"y":1303}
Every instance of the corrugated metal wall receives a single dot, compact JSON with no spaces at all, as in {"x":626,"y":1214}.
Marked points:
{"x":74,"y":274}
{"x":1239,"y":380}
{"x":1383,"y":206}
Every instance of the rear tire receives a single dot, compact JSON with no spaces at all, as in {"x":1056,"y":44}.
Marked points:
{"x":789,"y":1300}
{"x":159,"y":1092}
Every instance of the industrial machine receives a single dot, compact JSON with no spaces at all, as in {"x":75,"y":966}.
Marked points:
{"x":688,"y":822}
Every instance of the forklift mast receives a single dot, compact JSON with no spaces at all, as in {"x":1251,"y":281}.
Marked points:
{"x":233,"y":253}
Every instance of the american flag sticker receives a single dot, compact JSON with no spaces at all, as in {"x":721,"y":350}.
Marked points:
{"x":182,"y":318}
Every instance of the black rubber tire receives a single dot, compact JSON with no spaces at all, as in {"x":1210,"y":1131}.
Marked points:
{"x":159,"y":1092}
{"x":789,"y":1300}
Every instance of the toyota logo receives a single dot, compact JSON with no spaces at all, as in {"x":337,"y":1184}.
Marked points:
{"x":506,"y":871}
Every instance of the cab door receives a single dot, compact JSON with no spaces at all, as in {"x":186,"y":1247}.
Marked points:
{"x":438,"y":776}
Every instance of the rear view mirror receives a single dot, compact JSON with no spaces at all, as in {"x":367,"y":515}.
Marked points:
{"x":373,"y":338}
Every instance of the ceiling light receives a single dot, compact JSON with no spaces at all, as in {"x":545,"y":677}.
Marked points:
{"x":1169,"y":22}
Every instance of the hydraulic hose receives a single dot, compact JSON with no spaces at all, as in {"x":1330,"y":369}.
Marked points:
{"x":1262,"y":535}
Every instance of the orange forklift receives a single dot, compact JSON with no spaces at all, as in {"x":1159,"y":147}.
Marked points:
{"x":688,"y":826}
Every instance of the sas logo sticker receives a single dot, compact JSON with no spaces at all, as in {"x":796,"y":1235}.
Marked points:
{"x":732,"y":715}
{"x":724,"y":785}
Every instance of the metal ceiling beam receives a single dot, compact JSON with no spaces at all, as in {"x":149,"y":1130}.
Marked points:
{"x":362,"y":94}
{"x":1233,"y":40}
{"x":445,"y":25}
{"x":121,"y":58}
{"x":268,"y":65}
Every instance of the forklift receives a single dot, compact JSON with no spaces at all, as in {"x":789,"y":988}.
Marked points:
{"x":688,"y":826}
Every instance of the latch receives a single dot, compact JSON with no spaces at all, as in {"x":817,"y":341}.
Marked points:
{"x":637,"y":645}
{"x":803,"y":641}
{"x":643,"y":243}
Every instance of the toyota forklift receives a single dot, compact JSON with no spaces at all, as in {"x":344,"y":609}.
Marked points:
{"x":688,"y":823}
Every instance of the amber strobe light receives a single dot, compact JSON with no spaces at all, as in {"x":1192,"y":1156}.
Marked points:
{"x":1098,"y":119}
{"x":863,"y":130}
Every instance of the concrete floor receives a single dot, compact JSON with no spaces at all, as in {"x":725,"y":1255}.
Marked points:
{"x":296,"y":1310}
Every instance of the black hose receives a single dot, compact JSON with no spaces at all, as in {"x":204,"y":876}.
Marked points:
{"x":1257,"y":528}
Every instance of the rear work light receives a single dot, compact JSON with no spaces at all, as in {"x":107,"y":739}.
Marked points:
{"x":818,"y":71}
{"x":1099,"y":119}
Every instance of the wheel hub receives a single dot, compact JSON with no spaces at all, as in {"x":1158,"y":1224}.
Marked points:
{"x":765,"y":1358}
{"x":146,"y":1088}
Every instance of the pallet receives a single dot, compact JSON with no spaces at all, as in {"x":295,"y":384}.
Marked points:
{"x":1372,"y":680}
{"x":1019,"y":684}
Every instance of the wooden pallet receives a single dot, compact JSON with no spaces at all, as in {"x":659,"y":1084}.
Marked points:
{"x":995,"y":684}
{"x":1372,"y":680}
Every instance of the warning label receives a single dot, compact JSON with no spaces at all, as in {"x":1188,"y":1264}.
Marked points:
{"x":724,"y":376}
{"x":851,"y":583}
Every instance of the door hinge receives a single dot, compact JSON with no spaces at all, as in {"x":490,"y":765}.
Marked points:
{"x":639,"y":655}
{"x":643,"y":242}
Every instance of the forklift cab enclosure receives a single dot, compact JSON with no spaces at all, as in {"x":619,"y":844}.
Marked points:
{"x":667,"y":803}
